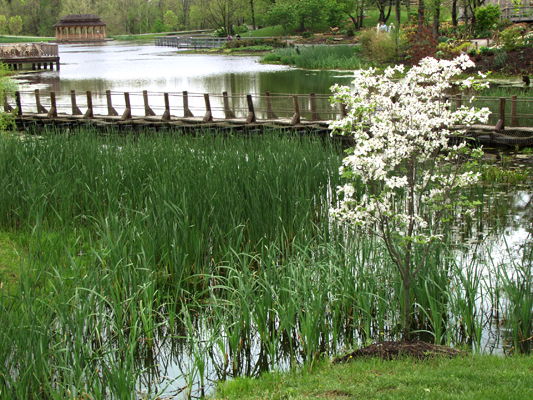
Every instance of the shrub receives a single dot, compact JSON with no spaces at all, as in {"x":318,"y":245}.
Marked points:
{"x":487,"y":18}
{"x":420,"y":44}
{"x":377,"y":45}
{"x":513,"y":37}
{"x":452,"y":49}
{"x":500,"y":59}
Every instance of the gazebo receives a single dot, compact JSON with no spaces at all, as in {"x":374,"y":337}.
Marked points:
{"x":80,"y":28}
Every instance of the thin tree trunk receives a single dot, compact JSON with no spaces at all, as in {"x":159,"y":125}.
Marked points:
{"x":436,"y":18}
{"x":398,"y":13}
{"x":253,"y":14}
{"x":421,"y":14}
{"x":454,"y":12}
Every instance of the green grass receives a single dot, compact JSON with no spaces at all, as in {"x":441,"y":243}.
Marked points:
{"x":268,"y":31}
{"x":468,"y":378}
{"x":317,"y":57}
{"x":10,"y":259}
{"x":25,"y":39}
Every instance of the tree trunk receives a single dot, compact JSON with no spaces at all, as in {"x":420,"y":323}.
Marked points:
{"x":421,"y":14}
{"x":253,"y":14}
{"x":436,"y":18}
{"x":398,"y":13}
{"x":454,"y":13}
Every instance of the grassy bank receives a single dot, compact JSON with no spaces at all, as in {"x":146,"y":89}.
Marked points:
{"x":473,"y":377}
{"x":25,"y":39}
{"x":317,"y":57}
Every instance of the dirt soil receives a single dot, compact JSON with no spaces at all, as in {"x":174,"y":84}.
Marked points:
{"x":392,"y":350}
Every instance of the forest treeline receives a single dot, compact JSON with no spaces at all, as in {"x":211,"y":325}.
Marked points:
{"x":37,"y":17}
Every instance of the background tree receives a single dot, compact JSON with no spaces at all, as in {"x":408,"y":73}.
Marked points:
{"x":170,"y":20}
{"x":3,"y":24}
{"x":15,"y":24}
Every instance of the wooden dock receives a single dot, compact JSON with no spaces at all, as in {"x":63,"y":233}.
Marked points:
{"x":224,"y":112}
{"x":38,"y":55}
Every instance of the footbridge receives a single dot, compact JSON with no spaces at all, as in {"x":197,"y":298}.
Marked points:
{"x":511,"y":122}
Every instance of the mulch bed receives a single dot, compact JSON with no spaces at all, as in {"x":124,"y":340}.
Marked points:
{"x":392,"y":350}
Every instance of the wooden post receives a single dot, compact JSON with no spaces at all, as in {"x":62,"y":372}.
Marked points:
{"x":514,"y":119}
{"x":228,"y":112}
{"x":89,"y":113}
{"x":18,"y":102}
{"x":53,"y":109}
{"x":251,"y":113}
{"x":500,"y":126}
{"x":75,"y":108}
{"x":186,"y":111}
{"x":7,"y":106}
{"x":166,"y":114}
{"x":127,"y":112}
{"x":147,"y":110}
{"x":312,"y":104}
{"x":110,"y":110}
{"x":296,"y":116}
{"x":458,"y":101}
{"x":40,"y":108}
{"x":270,"y":111}
{"x":57,"y":66}
{"x":208,"y":117}
{"x":344,"y":111}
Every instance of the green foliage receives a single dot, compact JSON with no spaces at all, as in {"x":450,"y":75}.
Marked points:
{"x":170,"y":19}
{"x":270,"y":43}
{"x":317,"y":57}
{"x":301,"y":15}
{"x":15,"y":24}
{"x":3,"y":25}
{"x":513,"y":37}
{"x":377,"y":45}
{"x":451,"y":49}
{"x":487,"y":18}
{"x":275,"y":30}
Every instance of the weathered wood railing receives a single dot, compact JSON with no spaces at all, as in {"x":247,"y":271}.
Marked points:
{"x":511,"y":114}
{"x":37,"y":54}
{"x":519,"y":13}
{"x":191,"y":42}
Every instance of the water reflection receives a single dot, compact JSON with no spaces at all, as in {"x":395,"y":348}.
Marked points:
{"x":134,"y":67}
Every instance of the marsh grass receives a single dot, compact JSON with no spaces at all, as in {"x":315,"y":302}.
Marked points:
{"x":213,"y":253}
{"x":317,"y":57}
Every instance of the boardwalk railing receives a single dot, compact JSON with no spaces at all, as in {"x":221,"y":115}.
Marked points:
{"x":275,"y":108}
{"x":28,"y":50}
{"x":518,"y":13}
{"x":191,"y":42}
{"x":37,"y":54}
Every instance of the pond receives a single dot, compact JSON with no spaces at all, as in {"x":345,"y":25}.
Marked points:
{"x":134,"y":67}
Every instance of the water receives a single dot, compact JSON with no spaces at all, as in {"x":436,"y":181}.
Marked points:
{"x":134,"y":67}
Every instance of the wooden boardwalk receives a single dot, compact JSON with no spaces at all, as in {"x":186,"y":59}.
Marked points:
{"x":245,"y":113}
{"x":519,"y":13}
{"x":39,"y":55}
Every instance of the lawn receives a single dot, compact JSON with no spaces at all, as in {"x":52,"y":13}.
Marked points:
{"x":473,"y":377}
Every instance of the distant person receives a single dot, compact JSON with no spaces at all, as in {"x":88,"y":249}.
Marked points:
{"x":229,"y":37}
{"x":238,"y":37}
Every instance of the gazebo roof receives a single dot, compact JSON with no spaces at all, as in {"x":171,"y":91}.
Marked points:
{"x":80,"y":19}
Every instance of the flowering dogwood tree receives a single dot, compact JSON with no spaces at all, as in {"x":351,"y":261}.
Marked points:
{"x":402,"y":176}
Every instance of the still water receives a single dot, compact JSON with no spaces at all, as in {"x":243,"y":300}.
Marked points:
{"x":134,"y":67}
